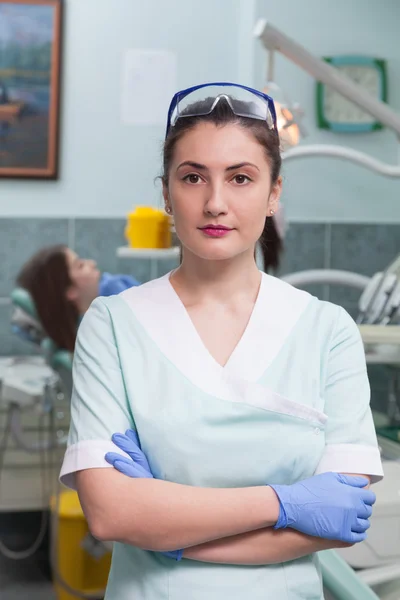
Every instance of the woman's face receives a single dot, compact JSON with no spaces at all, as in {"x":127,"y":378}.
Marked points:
{"x":84,"y":276}
{"x":220,"y":191}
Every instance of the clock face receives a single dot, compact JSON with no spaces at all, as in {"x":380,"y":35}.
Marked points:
{"x":338,"y":109}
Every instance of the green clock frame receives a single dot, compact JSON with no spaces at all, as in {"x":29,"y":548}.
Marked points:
{"x":336,"y":61}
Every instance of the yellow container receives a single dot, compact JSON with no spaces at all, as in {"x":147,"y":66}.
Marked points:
{"x":148,"y":228}
{"x":79,"y":569}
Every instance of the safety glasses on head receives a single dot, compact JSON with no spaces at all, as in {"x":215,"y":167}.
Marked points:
{"x":201,"y":100}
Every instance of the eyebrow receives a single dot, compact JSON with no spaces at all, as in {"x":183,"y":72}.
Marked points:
{"x":200,"y":167}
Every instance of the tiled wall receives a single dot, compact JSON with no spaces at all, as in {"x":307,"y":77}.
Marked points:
{"x":360,"y":248}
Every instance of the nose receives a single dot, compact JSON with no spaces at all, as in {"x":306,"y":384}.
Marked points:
{"x":216,"y":203}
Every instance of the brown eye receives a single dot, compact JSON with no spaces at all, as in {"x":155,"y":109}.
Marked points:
{"x":192,"y":178}
{"x":241,"y":179}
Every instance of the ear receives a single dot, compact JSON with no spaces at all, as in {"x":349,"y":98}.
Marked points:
{"x":274,"y":196}
{"x":165,"y":193}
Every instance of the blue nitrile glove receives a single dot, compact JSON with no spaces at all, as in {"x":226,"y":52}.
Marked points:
{"x":136,"y":466}
{"x":330,"y":506}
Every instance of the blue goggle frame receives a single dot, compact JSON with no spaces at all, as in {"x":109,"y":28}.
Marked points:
{"x":179,"y":96}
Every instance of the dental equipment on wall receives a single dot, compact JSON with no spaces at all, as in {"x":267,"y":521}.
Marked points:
{"x":34,"y":422}
{"x":289,"y":115}
{"x":41,"y":386}
{"x":378,"y":558}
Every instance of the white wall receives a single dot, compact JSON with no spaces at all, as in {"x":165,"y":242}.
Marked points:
{"x":107,"y":167}
{"x":325,"y":189}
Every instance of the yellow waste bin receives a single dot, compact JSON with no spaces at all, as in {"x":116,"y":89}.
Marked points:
{"x":148,"y":228}
{"x":78,"y":563}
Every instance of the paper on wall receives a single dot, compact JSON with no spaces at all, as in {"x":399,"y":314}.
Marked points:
{"x":148,"y":84}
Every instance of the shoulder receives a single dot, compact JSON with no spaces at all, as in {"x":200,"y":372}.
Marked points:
{"x":154,"y":292}
{"x":321,"y":318}
{"x":122,"y":312}
{"x":284,"y":301}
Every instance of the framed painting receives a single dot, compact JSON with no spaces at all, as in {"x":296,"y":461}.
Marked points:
{"x":30,"y":49}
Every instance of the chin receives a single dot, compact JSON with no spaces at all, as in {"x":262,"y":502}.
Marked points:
{"x":207,"y":252}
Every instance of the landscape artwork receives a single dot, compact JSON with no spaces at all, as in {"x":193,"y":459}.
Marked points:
{"x":30,"y":47}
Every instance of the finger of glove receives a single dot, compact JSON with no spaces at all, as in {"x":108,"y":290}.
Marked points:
{"x":361,"y":526}
{"x":171,"y":554}
{"x":131,"y":470}
{"x":356,"y":538}
{"x":111,"y":457}
{"x":175,"y":554}
{"x":353,"y":480}
{"x":364,"y":511}
{"x":135,"y":470}
{"x":368,"y":497}
{"x":131,"y":448}
{"x":132,"y":435}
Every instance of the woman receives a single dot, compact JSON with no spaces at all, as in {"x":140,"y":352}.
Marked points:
{"x":246,"y":393}
{"x":63,"y":286}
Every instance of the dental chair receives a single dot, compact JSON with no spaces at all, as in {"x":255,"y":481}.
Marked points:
{"x":42,"y":383}
{"x":67,"y":523}
{"x":26,"y":324}
{"x":34,"y":400}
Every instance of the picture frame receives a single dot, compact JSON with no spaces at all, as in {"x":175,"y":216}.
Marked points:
{"x":30,"y":74}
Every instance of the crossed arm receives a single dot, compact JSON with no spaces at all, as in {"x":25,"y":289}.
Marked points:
{"x":213,"y":525}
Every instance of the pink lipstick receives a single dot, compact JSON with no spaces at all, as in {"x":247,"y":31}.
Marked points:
{"x":215,"y":231}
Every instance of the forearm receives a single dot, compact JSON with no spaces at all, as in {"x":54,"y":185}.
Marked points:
{"x":262,"y":547}
{"x":159,"y":515}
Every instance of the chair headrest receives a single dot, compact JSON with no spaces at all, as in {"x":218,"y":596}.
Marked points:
{"x":56,"y":357}
{"x":22,"y":298}
{"x":26,"y":321}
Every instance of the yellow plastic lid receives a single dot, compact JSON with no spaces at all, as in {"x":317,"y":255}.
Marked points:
{"x":69,"y":506}
{"x":146,"y":212}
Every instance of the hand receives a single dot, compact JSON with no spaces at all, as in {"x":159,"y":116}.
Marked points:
{"x":329,"y":506}
{"x":136,"y":466}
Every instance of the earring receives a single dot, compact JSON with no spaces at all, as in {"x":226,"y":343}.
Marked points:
{"x":272,"y":212}
{"x":168,"y":210}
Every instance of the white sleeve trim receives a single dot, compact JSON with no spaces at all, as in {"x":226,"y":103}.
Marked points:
{"x":88,"y":454}
{"x":352,"y":458}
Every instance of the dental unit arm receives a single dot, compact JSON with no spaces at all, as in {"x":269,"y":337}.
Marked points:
{"x":275,"y":40}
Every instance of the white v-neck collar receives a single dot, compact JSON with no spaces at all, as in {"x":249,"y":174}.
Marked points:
{"x":160,"y":311}
{"x":198,"y":342}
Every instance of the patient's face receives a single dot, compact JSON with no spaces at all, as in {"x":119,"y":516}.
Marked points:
{"x":85,"y":277}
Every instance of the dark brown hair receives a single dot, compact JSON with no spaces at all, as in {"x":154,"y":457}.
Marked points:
{"x":46,"y":277}
{"x":270,"y":241}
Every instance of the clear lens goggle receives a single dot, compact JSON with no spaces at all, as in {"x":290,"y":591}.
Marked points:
{"x":243,"y":101}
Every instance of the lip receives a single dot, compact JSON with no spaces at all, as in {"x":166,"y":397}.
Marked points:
{"x":215,"y":230}
{"x":216,"y":227}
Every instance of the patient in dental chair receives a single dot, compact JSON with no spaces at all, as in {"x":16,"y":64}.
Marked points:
{"x":62,"y":286}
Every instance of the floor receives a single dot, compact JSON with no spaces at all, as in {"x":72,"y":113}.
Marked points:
{"x":24,"y":579}
{"x":28,"y":579}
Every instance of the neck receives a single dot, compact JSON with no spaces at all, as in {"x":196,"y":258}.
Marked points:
{"x":83,"y":305}
{"x":222,"y":280}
